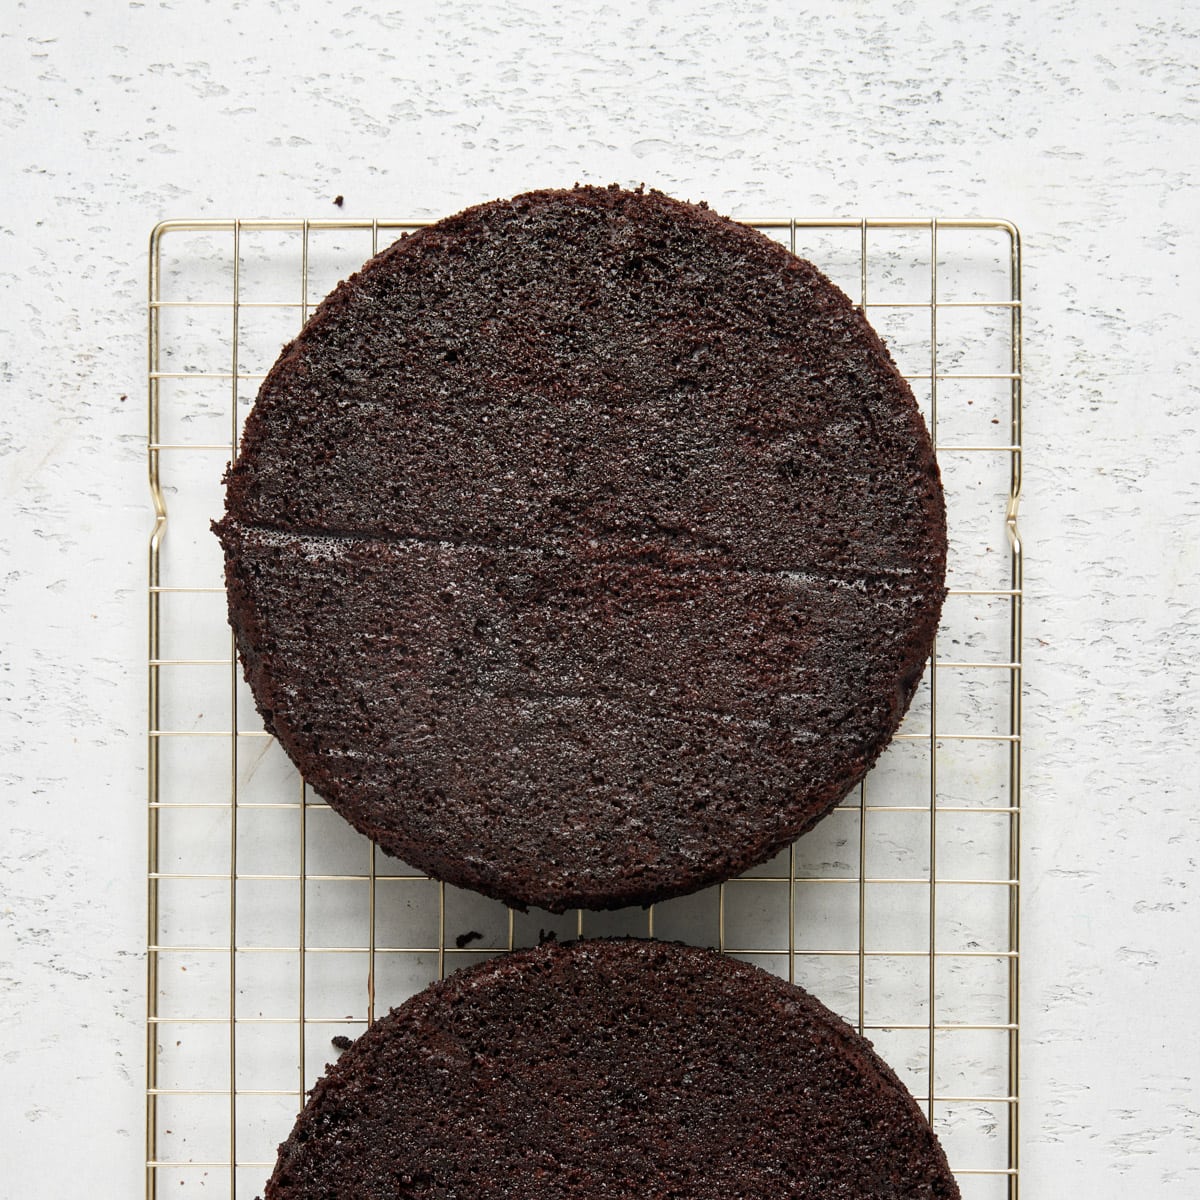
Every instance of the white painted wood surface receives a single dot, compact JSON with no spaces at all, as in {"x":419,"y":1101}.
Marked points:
{"x":1082,"y":125}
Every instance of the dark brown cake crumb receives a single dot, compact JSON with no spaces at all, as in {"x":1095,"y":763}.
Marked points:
{"x":612,"y":1069}
{"x":342,"y":1042}
{"x":339,"y":200}
{"x":585,"y":548}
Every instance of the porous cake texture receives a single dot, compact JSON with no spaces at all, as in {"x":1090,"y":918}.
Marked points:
{"x":628,"y":1070}
{"x":585,"y":548}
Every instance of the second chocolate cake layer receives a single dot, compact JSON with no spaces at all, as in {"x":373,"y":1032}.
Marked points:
{"x":611,"y":1070}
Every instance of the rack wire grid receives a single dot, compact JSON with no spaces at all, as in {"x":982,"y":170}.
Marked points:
{"x":273,"y":926}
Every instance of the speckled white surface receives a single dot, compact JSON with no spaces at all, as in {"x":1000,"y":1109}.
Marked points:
{"x":1081,"y":124}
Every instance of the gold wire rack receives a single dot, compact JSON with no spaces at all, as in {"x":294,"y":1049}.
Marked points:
{"x":272,"y":926}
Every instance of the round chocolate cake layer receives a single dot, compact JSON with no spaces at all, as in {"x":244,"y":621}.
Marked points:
{"x":611,"y":1069}
{"x":584,"y":548}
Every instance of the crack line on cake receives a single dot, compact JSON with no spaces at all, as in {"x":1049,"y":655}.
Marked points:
{"x":847,"y":574}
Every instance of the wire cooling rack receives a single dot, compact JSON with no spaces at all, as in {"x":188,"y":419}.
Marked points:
{"x":273,"y":927}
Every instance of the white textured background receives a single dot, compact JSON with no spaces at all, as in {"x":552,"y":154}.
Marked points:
{"x":1080,"y":122}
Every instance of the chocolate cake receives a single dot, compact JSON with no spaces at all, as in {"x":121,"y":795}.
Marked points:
{"x":622,"y":1069}
{"x":585,"y":548}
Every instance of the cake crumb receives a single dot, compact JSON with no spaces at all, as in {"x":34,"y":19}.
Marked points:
{"x":341,"y":1042}
{"x":339,"y":200}
{"x":465,"y":939}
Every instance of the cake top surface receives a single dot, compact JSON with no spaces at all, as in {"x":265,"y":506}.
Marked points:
{"x":611,"y":1069}
{"x":584,"y":548}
